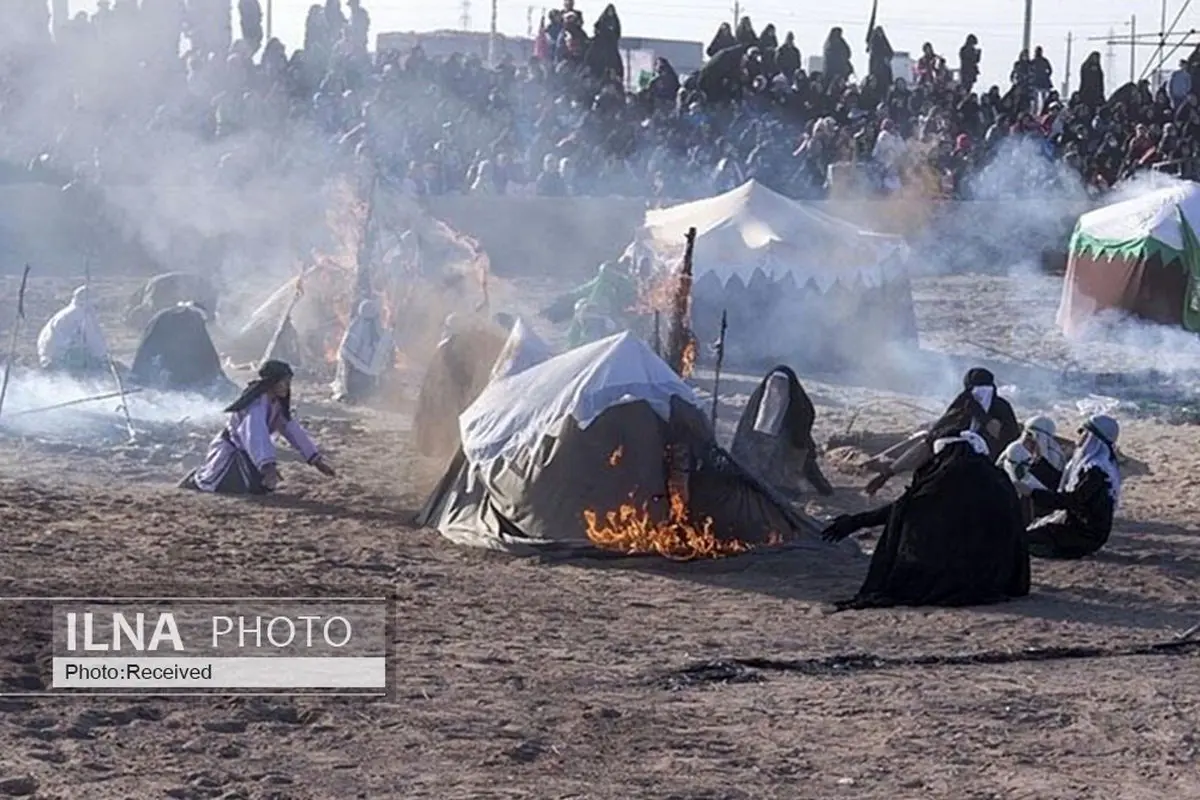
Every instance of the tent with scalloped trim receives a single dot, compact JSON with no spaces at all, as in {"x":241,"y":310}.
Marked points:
{"x":1138,"y":256}
{"x":821,"y":284}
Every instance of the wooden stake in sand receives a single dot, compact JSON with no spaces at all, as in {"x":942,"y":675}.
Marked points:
{"x":679,"y":333}
{"x":12,"y":345}
{"x":273,"y":343}
{"x":720,"y":362}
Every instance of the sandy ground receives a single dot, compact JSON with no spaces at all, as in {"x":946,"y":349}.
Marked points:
{"x":522,"y":679}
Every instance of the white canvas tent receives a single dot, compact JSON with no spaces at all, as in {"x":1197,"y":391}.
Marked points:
{"x":755,"y":228}
{"x":540,"y":447}
{"x":776,"y":264}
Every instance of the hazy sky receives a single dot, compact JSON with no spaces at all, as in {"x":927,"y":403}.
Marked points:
{"x":997,"y":23}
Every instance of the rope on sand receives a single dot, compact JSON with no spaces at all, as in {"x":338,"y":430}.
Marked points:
{"x":746,"y":670}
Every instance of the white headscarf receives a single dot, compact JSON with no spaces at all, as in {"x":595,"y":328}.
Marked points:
{"x":984,"y":396}
{"x":973,"y":439}
{"x":1098,"y":449}
{"x":1043,"y":429}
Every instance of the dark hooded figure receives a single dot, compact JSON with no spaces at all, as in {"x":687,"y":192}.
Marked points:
{"x":745,"y":33}
{"x":881,"y":54}
{"x":721,"y":78}
{"x":723,"y":39}
{"x":978,"y":408}
{"x":241,"y":458}
{"x":176,"y":354}
{"x":969,"y":56}
{"x":954,"y":538}
{"x":774,"y":436}
{"x":603,"y":57}
{"x":1091,"y":81}
{"x":768,"y":43}
{"x":836,"y":57}
{"x":787,"y":57}
{"x":251,"y":16}
{"x":664,"y":86}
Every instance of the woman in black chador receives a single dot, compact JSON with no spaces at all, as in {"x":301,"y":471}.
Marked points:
{"x":774,"y":436}
{"x":978,"y":408}
{"x":954,"y":538}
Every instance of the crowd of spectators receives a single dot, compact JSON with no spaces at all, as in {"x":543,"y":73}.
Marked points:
{"x":139,"y":88}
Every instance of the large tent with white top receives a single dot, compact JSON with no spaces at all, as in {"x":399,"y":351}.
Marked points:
{"x":1138,"y":256}
{"x":814,"y":283}
{"x":599,"y":427}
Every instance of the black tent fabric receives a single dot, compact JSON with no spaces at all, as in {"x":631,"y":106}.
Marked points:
{"x":177,"y":354}
{"x":954,"y":538}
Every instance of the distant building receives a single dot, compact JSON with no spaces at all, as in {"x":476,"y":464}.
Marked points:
{"x":639,"y":53}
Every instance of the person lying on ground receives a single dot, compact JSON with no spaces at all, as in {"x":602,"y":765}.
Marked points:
{"x":774,"y":435}
{"x":1035,"y":461}
{"x":176,"y":354}
{"x":954,"y":538}
{"x":979,"y":408}
{"x":241,"y":458}
{"x":365,"y":355}
{"x":71,"y":341}
{"x":1087,"y":497}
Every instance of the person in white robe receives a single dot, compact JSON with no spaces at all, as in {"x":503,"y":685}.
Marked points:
{"x":366,"y":353}
{"x":1035,"y":461}
{"x":72,"y":341}
{"x":241,"y":458}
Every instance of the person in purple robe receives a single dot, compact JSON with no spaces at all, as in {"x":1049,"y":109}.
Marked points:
{"x":241,"y":458}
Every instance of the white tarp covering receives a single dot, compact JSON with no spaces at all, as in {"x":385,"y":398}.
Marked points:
{"x":753,"y":227}
{"x":1154,"y":215}
{"x":524,"y":349}
{"x":513,"y":413}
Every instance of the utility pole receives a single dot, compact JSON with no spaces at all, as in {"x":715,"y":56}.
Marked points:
{"x":270,"y":18}
{"x":1110,"y":53}
{"x":1162,"y":39}
{"x":1027,"y":35}
{"x":1066,"y":91}
{"x":1132,"y":48}
{"x":529,"y":21}
{"x":737,"y":13}
{"x":464,"y":17}
{"x":492,"y":35}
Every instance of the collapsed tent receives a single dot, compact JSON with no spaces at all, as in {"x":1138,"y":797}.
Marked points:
{"x":606,"y":431}
{"x":798,"y":284}
{"x":1138,"y":256}
{"x":421,"y":269}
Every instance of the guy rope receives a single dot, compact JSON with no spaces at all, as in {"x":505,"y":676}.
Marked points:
{"x":12,"y":345}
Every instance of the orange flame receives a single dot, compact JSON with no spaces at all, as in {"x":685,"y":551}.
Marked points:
{"x":615,"y":458}
{"x":688,"y":359}
{"x":631,"y":531}
{"x":656,"y":293}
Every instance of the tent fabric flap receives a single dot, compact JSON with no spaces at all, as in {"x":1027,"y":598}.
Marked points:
{"x":514,"y":413}
{"x":753,"y":227}
{"x":1191,"y":263}
{"x":1151,"y":216}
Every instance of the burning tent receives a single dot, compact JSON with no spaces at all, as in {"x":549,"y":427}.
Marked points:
{"x":601,"y":448}
{"x":777,"y":264}
{"x":420,"y":268}
{"x":1140,"y":256}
